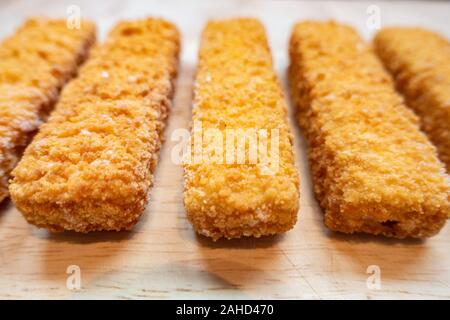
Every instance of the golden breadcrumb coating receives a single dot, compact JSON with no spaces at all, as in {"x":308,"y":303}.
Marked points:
{"x":35,"y":63}
{"x":419,"y":61}
{"x":374,"y":171}
{"x":90,"y":166}
{"x":237,"y":88}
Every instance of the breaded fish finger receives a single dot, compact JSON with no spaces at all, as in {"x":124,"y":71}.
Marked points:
{"x":237,"y":91}
{"x":374,"y":171}
{"x":419,"y":61}
{"x":35,"y":63}
{"x":90,"y":166}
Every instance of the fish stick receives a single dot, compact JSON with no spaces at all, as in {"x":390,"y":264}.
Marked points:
{"x":35,"y":63}
{"x":373,"y":169}
{"x":90,"y":166}
{"x":419,"y":61}
{"x":237,"y":91}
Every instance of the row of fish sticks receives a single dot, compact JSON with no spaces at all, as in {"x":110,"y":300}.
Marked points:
{"x":376,"y":118}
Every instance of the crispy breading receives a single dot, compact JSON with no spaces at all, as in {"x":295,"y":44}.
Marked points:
{"x":35,"y":63}
{"x":237,"y":88}
{"x":374,"y":171}
{"x":419,"y":61}
{"x":90,"y":166}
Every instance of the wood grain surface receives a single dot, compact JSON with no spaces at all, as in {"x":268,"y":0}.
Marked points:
{"x":162,"y":257}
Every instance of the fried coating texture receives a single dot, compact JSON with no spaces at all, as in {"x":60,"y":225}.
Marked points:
{"x":374,"y":171}
{"x":419,"y":61}
{"x":90,"y":166}
{"x":35,"y":63}
{"x":237,"y":88}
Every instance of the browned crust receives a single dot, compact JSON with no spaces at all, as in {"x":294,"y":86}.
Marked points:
{"x":236,"y":88}
{"x":419,"y":61}
{"x":35,"y":63}
{"x":374,"y":171}
{"x":90,"y":167}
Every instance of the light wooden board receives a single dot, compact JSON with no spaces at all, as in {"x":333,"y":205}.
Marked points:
{"x":162,"y":257}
